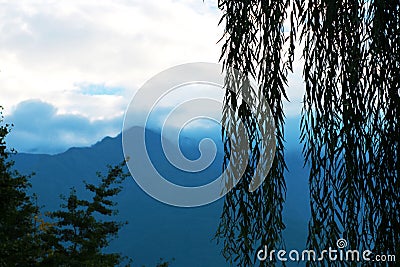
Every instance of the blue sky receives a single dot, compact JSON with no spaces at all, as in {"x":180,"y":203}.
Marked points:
{"x":69,"y":68}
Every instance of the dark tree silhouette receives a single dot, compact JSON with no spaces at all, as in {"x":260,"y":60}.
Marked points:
{"x":254,"y":45}
{"x":78,"y":233}
{"x":19,"y":242}
{"x":350,"y":122}
{"x":81,"y":229}
{"x":349,"y":126}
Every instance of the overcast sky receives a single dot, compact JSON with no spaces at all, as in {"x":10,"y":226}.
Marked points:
{"x":69,"y":68}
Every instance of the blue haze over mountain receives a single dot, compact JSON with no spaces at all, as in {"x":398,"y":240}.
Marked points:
{"x":157,"y":230}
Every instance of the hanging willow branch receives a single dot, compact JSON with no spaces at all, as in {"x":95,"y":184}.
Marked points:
{"x":350,"y":122}
{"x":384,"y":104}
{"x":349,"y":126}
{"x":254,"y":38}
{"x":333,"y":119}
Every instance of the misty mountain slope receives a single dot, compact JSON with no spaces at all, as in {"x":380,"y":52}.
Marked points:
{"x":157,"y":230}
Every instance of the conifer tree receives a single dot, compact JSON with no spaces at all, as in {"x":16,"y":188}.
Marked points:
{"x":82,"y":229}
{"x":19,"y":242}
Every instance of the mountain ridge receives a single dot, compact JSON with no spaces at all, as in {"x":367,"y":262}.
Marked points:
{"x":184,"y":234}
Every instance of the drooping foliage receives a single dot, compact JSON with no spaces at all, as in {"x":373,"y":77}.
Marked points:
{"x":349,"y":122}
{"x":254,"y":41}
{"x":383,"y":188}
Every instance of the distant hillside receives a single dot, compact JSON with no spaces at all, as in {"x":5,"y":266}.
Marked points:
{"x":157,"y":230}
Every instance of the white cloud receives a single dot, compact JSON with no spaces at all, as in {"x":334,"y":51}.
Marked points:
{"x":53,"y":50}
{"x":39,"y":128}
{"x":47,"y":47}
